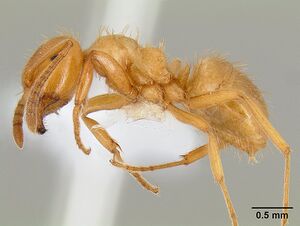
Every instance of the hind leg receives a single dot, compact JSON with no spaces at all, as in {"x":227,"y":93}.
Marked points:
{"x":219,"y":97}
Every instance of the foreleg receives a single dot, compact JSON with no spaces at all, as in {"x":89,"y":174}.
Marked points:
{"x":80,"y":98}
{"x":116,"y":77}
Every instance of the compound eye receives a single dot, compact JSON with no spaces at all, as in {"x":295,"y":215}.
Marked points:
{"x":53,"y":57}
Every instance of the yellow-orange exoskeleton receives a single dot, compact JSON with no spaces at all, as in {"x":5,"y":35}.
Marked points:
{"x":214,"y":96}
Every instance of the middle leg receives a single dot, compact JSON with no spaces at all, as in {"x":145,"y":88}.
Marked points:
{"x":212,"y":149}
{"x":109,"y":102}
{"x":188,"y":158}
{"x":218,"y":173}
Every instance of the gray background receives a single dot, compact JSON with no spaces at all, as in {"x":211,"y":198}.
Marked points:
{"x":52,"y":183}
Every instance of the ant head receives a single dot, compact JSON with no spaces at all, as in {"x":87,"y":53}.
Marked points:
{"x":50,"y":77}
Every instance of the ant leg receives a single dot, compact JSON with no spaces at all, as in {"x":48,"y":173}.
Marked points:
{"x":110,"y":102}
{"x":213,"y":153}
{"x":186,"y":117}
{"x":219,"y":97}
{"x":106,"y":66}
{"x":98,"y":103}
{"x":80,"y":98}
{"x":278,"y":141}
{"x":188,"y":158}
{"x":218,"y":173}
{"x":212,"y":149}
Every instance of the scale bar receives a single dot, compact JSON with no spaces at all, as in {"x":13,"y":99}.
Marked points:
{"x":272,"y":207}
